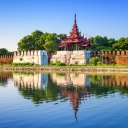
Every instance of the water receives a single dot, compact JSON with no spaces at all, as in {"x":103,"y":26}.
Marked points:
{"x":59,"y":100}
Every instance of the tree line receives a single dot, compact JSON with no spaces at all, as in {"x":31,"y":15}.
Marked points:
{"x":4,"y":51}
{"x":38,"y":40}
{"x":104,"y":44}
{"x":46,"y":41}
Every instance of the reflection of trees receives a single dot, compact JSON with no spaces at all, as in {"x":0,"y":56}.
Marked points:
{"x":47,"y":94}
{"x":100,"y":85}
{"x":54,"y":93}
{"x":107,"y":84}
{"x":4,"y":76}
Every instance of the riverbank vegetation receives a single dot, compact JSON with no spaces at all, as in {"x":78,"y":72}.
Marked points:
{"x":38,"y":40}
{"x":62,"y":65}
{"x":4,"y":51}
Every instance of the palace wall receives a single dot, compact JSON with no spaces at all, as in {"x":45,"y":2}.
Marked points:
{"x":6,"y":59}
{"x":31,"y":80}
{"x":69,"y":57}
{"x":71,"y":79}
{"x":109,"y":57}
{"x":37,"y":57}
{"x":72,"y":57}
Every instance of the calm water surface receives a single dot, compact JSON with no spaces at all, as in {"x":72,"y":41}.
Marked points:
{"x":59,"y":100}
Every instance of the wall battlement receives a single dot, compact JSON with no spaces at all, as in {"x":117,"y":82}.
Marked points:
{"x":37,"y":57}
{"x":6,"y":59}
{"x":110,"y":53}
{"x":72,"y":57}
{"x":30,"y":53}
{"x":109,"y":57}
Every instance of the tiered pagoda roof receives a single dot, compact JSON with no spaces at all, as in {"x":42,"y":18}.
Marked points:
{"x":75,"y":37}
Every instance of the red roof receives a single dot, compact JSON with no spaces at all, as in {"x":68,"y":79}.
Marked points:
{"x":75,"y":37}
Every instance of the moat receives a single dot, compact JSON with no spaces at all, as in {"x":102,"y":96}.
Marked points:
{"x":75,"y":100}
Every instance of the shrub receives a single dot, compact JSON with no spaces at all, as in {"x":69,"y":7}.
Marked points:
{"x":23,"y":64}
{"x":99,"y":63}
{"x":94,"y":60}
{"x":51,"y":63}
{"x":58,"y":63}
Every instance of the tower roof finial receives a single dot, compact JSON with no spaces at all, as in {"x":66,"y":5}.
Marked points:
{"x":75,"y":19}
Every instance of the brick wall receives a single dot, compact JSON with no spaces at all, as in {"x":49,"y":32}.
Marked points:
{"x":109,"y":57}
{"x":6,"y":59}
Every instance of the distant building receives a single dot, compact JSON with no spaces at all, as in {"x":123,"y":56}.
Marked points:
{"x":72,"y":49}
{"x":75,"y":41}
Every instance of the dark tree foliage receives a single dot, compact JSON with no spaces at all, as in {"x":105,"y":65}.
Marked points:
{"x":40,"y":41}
{"x":4,"y":51}
{"x":50,"y":41}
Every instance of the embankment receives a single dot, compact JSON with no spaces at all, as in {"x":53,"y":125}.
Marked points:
{"x":67,"y":69}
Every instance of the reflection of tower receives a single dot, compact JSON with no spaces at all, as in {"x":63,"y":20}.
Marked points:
{"x":43,"y":79}
{"x":75,"y":95}
{"x":87,"y":81}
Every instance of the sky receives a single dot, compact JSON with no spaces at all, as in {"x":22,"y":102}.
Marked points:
{"x":19,"y":18}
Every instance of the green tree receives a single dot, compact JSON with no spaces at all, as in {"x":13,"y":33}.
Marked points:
{"x":111,"y":41}
{"x":101,"y":43}
{"x":51,"y":46}
{"x":27,"y":43}
{"x":94,"y":60}
{"x":62,"y":36}
{"x":40,"y":41}
{"x":3,"y":51}
{"x":37,"y":40}
{"x":122,"y":44}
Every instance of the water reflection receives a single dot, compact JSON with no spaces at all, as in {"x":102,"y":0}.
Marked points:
{"x":30,"y":80}
{"x":62,"y":87}
{"x":107,"y":84}
{"x":4,"y":77}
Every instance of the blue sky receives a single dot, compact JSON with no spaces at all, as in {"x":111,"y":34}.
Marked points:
{"x":19,"y":18}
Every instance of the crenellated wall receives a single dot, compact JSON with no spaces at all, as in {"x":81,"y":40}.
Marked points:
{"x":6,"y":59}
{"x":38,"y":57}
{"x":72,"y":57}
{"x":109,"y":57}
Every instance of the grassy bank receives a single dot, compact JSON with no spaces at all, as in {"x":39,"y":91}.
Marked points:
{"x":68,"y":68}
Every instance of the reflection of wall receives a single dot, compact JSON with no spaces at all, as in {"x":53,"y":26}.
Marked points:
{"x":71,"y":79}
{"x":5,"y":75}
{"x":116,"y":80}
{"x":33,"y":80}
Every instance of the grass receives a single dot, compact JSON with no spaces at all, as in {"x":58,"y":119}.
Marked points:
{"x":66,"y":66}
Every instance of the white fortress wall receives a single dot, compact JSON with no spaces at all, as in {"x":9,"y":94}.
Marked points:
{"x":38,"y":57}
{"x":72,"y":57}
{"x":62,"y":56}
